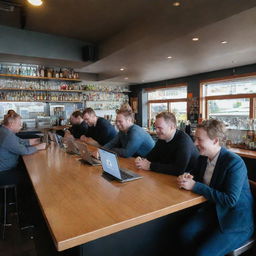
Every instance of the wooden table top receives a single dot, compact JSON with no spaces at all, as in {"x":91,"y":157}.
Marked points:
{"x":80,"y":205}
{"x":244,"y":152}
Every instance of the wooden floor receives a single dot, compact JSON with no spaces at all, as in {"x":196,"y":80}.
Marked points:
{"x":19,"y":243}
{"x":28,"y":241}
{"x":34,"y":241}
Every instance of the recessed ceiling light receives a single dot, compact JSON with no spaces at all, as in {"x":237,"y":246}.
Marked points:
{"x":169,"y":57}
{"x":126,"y":78}
{"x":195,"y":39}
{"x":224,"y":42}
{"x":122,"y":69}
{"x":176,"y":4}
{"x":35,"y":2}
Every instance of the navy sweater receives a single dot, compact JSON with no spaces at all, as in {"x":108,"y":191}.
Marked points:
{"x":174,"y":157}
{"x":102,"y":132}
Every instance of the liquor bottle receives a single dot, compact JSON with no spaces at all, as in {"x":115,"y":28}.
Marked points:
{"x":37,"y":71}
{"x":61,"y":74}
{"x":42,"y":72}
{"x":49,"y":73}
{"x":57,"y":74}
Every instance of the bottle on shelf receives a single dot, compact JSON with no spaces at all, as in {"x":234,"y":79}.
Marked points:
{"x":42,"y":71}
{"x":57,"y":74}
{"x":49,"y":73}
{"x":61,"y":73}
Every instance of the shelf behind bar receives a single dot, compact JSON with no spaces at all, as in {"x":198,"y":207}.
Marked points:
{"x":46,"y":101}
{"x":40,"y":90}
{"x":43,"y":78}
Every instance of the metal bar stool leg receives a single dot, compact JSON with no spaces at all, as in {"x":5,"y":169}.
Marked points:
{"x":16,"y":205}
{"x":6,"y":204}
{"x":5,"y":213}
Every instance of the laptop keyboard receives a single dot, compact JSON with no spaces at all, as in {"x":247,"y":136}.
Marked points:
{"x":125,"y":175}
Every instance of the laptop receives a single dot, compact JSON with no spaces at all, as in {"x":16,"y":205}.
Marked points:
{"x":111,"y":168}
{"x":85,"y":154}
{"x":71,"y":147}
{"x":45,"y":138}
{"x":51,"y":136}
{"x":58,"y":140}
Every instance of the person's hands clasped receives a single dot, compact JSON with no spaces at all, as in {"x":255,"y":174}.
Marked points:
{"x":41,"y":146}
{"x":68,"y":135}
{"x":143,"y":164}
{"x":34,"y":141}
{"x":95,"y":154}
{"x":84,"y":138}
{"x":186,"y":181}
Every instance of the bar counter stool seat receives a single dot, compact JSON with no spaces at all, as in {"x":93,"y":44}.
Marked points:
{"x":8,"y":188}
{"x":252,"y":241}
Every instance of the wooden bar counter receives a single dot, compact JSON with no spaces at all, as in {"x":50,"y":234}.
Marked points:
{"x":244,"y":152}
{"x":79,"y":205}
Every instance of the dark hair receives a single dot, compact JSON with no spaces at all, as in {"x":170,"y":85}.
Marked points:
{"x":214,"y":129}
{"x":89,"y":111}
{"x":77,"y":113}
{"x":126,"y":111}
{"x":168,"y":117}
{"x":9,"y":118}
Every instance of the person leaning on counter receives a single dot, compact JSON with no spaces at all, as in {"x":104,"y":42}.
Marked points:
{"x":79,"y":126}
{"x":100,"y":130}
{"x":174,"y":152}
{"x":225,"y":222}
{"x":131,"y":139}
{"x":11,"y":147}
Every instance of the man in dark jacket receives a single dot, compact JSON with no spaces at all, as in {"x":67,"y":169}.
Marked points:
{"x":100,"y":131}
{"x":79,"y":126}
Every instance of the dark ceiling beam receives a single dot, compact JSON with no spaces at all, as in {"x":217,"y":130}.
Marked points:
{"x":11,"y":3}
{"x":23,"y":17}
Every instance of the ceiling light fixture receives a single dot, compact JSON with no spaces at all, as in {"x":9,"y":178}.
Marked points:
{"x":224,"y":42}
{"x":195,"y":39}
{"x":169,"y":57}
{"x":35,"y":2}
{"x":176,"y":4}
{"x":122,"y":69}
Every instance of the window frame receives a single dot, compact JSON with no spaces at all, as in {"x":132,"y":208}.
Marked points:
{"x":168,"y":101}
{"x":203,"y":106}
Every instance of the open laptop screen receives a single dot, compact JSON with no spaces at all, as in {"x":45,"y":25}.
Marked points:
{"x":109,"y":163}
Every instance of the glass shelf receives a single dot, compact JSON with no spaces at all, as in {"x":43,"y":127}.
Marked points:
{"x":68,"y":101}
{"x":39,"y":77}
{"x":39,"y":90}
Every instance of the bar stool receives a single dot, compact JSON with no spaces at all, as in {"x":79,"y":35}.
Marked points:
{"x":8,"y":188}
{"x":251,"y":242}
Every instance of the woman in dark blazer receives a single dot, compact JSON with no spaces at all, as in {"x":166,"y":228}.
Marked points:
{"x":226,"y":221}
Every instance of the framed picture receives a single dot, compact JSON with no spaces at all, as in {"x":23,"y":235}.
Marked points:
{"x":134,"y":104}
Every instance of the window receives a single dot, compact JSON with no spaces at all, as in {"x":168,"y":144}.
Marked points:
{"x":232,"y":101}
{"x":173,"y":99}
{"x":156,"y":108}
